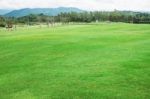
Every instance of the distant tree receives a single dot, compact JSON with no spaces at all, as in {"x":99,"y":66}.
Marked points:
{"x":2,"y":21}
{"x":94,"y":16}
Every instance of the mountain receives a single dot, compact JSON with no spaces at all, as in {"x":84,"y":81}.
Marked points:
{"x":4,"y":11}
{"x":45,"y":11}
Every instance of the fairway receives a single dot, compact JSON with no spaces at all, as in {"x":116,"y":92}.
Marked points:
{"x":88,"y":61}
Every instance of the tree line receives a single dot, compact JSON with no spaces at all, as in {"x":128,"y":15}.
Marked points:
{"x":86,"y":17}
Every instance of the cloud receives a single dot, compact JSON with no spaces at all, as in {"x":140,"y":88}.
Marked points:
{"x":140,"y":5}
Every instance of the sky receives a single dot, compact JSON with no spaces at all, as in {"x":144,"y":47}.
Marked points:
{"x":102,"y":5}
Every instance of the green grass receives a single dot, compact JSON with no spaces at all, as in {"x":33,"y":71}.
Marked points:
{"x":101,"y":61}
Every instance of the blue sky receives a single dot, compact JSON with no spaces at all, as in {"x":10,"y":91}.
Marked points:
{"x":136,"y":5}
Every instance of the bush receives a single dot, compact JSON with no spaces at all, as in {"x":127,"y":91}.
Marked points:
{"x":2,"y":25}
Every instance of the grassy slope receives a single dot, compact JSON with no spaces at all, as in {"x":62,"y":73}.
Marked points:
{"x":77,"y":61}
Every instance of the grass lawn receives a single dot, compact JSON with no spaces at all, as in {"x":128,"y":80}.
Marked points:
{"x":94,"y":61}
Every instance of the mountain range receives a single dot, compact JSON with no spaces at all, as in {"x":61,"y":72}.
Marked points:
{"x":45,"y":11}
{"x":4,"y":11}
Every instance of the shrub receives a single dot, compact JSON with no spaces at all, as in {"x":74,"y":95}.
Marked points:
{"x":2,"y":25}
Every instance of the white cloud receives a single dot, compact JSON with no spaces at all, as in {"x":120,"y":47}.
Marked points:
{"x":140,"y":5}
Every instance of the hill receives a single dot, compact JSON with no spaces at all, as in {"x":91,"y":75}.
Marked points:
{"x":4,"y":11}
{"x":46,"y":11}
